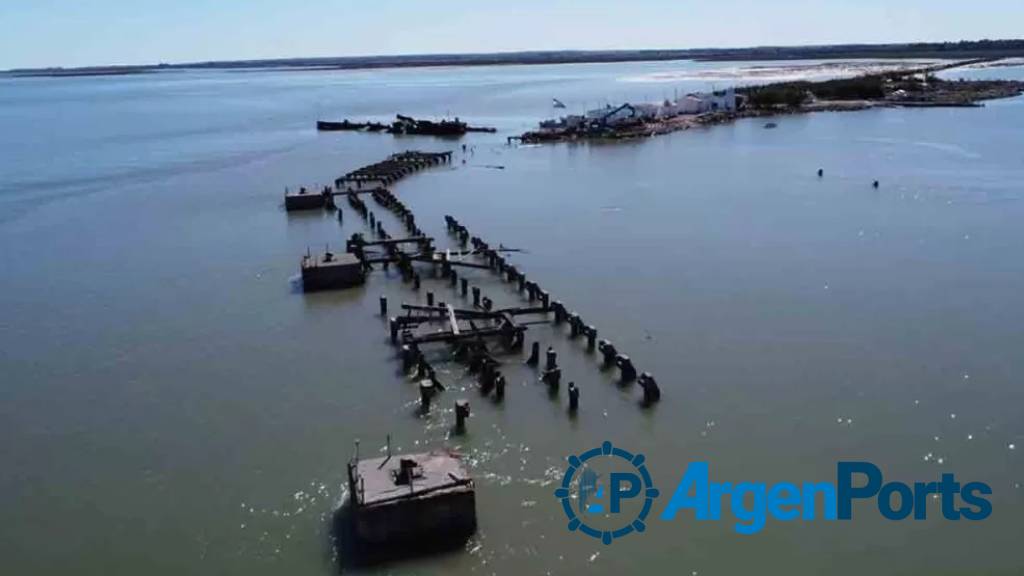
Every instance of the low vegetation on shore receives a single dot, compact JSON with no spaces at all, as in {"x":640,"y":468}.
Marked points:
{"x":917,"y":87}
{"x":795,"y":94}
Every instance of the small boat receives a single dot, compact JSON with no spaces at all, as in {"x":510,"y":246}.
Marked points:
{"x":558,"y":103}
{"x":771,"y":125}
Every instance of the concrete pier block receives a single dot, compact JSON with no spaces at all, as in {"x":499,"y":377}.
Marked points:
{"x":331,"y":271}
{"x":411,"y":500}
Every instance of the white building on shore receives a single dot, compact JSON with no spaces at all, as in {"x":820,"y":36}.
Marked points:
{"x":694,"y":103}
{"x":629,"y":113}
{"x":701,"y":102}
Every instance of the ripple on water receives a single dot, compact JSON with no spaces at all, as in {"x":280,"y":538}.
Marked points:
{"x":269,"y":529}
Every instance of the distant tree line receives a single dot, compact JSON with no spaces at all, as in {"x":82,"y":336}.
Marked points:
{"x":962,"y":49}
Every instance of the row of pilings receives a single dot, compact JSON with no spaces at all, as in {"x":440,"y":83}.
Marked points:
{"x":489,"y":377}
{"x":396,"y":167}
{"x":611,"y":356}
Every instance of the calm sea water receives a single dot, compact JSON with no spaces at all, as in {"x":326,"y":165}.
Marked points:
{"x":170,"y":403}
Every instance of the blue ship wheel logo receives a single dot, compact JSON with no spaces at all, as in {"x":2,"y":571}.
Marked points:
{"x":640,"y":485}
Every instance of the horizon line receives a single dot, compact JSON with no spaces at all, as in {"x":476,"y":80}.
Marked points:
{"x":505,"y":57}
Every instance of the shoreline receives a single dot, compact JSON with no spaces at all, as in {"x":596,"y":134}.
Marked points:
{"x":911,"y":88}
{"x":996,"y":49}
{"x":679,"y":124}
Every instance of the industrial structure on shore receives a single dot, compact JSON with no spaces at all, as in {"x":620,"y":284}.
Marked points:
{"x":628,"y":114}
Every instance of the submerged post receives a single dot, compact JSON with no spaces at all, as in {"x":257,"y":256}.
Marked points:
{"x":626,"y":368}
{"x":608,"y":352}
{"x":461,"y":413}
{"x":651,"y":391}
{"x":559,"y":311}
{"x":574,"y":325}
{"x":499,"y":387}
{"x":552,"y":359}
{"x":574,"y":397}
{"x":552,"y":378}
{"x":426,"y":392}
{"x":487,"y":376}
{"x":534,"y":354}
{"x":408,"y":357}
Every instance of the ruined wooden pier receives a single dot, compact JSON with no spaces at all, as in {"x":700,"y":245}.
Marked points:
{"x":380,"y":174}
{"x":422,"y":497}
{"x":395,"y":168}
{"x":471,"y":331}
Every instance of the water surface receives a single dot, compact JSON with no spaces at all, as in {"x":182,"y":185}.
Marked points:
{"x":171,"y":403}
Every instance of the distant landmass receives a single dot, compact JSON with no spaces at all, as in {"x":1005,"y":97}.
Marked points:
{"x":951,"y":50}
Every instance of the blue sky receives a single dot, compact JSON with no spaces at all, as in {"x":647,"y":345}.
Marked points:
{"x":35,"y":33}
